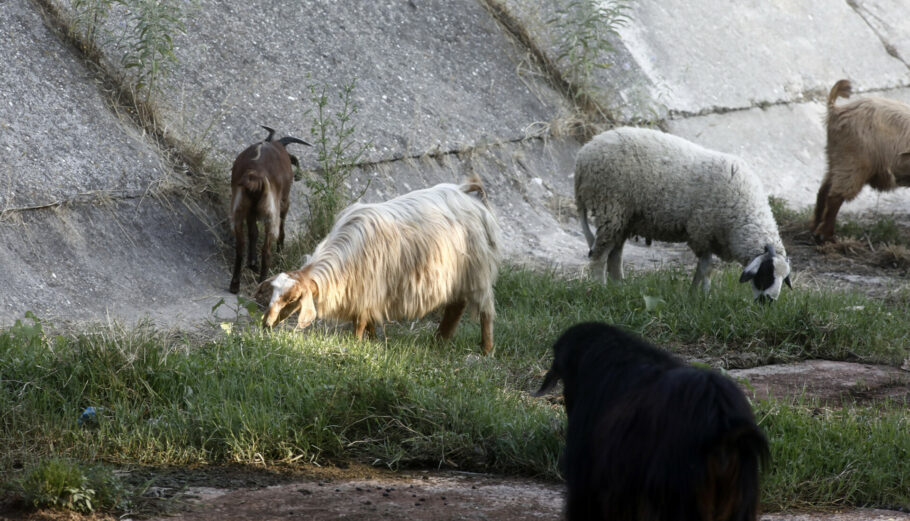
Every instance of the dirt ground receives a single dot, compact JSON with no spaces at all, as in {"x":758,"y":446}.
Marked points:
{"x":358,"y":492}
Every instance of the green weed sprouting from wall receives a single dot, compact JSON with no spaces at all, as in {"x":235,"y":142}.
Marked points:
{"x":145,"y":41}
{"x":149,"y":48}
{"x":88,"y":18}
{"x":583,"y":31}
{"x":337,"y":154}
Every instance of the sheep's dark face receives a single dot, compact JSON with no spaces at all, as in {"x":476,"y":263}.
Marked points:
{"x":291,"y":293}
{"x":768,"y":273}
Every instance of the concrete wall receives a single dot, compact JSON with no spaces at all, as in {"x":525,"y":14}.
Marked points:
{"x":99,"y":218}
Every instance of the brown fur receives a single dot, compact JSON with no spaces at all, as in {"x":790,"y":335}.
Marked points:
{"x":868,"y":144}
{"x":261,"y":180}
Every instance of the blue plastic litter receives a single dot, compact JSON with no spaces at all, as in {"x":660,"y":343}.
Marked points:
{"x":88,"y":416}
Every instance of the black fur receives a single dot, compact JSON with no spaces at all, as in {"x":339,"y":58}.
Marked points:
{"x":649,"y":437}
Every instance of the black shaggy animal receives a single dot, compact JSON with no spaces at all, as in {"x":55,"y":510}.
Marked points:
{"x":649,"y":437}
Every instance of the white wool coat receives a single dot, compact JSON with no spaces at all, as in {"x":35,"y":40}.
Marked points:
{"x":636,"y":181}
{"x":402,"y":258}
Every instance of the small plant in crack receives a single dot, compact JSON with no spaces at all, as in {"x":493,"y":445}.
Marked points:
{"x":88,"y":19}
{"x":583,"y":39}
{"x":337,"y":156}
{"x":149,"y":49}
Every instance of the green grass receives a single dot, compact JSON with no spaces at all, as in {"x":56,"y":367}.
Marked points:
{"x":61,"y":483}
{"x":844,"y":457}
{"x":876,"y":229}
{"x":249,"y":396}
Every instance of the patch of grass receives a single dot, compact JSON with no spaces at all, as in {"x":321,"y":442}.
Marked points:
{"x":787,"y":217}
{"x":724,"y":324}
{"x":65,"y":484}
{"x":250,"y":396}
{"x":836,"y":457}
{"x":881,"y":230}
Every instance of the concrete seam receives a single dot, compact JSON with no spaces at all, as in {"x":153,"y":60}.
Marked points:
{"x":513,"y":28}
{"x":80,"y":199}
{"x":810,"y":96}
{"x":437,"y":154}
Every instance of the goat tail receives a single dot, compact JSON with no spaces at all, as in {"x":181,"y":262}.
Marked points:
{"x":841,"y":89}
{"x":287,"y":140}
{"x":253,"y":182}
{"x":583,"y":219}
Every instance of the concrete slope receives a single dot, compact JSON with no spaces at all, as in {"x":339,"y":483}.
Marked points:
{"x":748,"y":78}
{"x":81,"y":236}
{"x":443,"y":89}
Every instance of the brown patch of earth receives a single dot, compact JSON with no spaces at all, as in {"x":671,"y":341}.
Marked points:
{"x":833,"y":383}
{"x":878,"y":270}
{"x":417,"y":496}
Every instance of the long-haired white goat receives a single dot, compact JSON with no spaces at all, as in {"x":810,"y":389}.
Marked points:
{"x":400,"y":259}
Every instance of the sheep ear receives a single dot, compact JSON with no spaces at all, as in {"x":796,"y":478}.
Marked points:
{"x":787,"y":281}
{"x":751,"y":270}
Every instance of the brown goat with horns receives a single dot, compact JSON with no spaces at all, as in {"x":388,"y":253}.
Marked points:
{"x":868,"y":144}
{"x":260,"y":187}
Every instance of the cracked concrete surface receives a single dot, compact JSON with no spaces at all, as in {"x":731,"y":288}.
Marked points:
{"x":444,"y":89}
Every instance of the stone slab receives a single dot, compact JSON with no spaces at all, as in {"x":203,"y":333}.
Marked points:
{"x":697,"y":57}
{"x":431,"y":74}
{"x":785,"y":145}
{"x":890,"y":19}
{"x":826,"y":380}
{"x":717,"y":54}
{"x":123,"y":261}
{"x":58,"y":136}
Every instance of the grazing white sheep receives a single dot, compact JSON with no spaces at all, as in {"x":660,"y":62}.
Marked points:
{"x":400,"y":259}
{"x":658,"y":186}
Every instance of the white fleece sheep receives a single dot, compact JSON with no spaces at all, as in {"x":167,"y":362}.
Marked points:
{"x":400,"y":259}
{"x":644,"y":182}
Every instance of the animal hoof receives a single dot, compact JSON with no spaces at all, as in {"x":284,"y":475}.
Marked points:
{"x":822,"y":239}
{"x":235,"y":287}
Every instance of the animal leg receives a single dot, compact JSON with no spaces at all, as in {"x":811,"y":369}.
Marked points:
{"x":253,"y":233}
{"x":605,"y":241}
{"x":486,"y":332}
{"x":266,"y":252}
{"x":284,"y":214}
{"x":820,"y":202}
{"x":238,"y":256}
{"x":702,"y":273}
{"x":363,"y":324}
{"x":450,"y":318}
{"x":825,"y":231}
{"x":614,"y":262}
